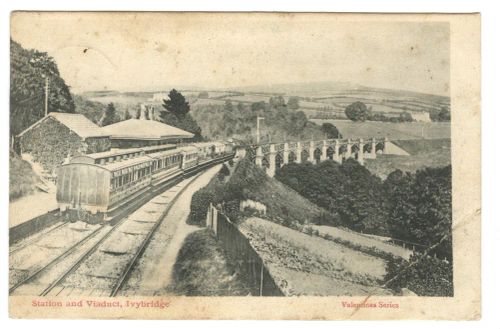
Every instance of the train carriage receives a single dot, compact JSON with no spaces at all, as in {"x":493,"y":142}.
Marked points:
{"x":83,"y":186}
{"x":166,"y":164}
{"x":99,"y":188}
{"x":99,"y":183}
{"x":189,"y":156}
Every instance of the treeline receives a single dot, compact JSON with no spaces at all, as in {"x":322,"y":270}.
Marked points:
{"x":358,"y":111}
{"x":281,"y":121}
{"x":410,"y":207}
{"x":349,"y":191}
{"x":441,"y":115}
{"x":29,"y":69}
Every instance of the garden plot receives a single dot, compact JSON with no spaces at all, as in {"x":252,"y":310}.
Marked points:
{"x":363,"y":241}
{"x":287,"y":252}
{"x":319,"y":285}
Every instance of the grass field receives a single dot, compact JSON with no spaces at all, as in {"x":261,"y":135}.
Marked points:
{"x":423,"y":153}
{"x":22,"y":177}
{"x":385,"y":164}
{"x":422,"y":146}
{"x":393,"y":131}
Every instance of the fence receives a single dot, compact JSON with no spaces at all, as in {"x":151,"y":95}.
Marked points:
{"x":239,"y":248}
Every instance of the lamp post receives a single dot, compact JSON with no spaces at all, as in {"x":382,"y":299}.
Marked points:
{"x":258,"y":129}
{"x":46,"y":95}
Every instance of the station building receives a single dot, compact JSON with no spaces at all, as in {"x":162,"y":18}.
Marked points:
{"x":56,"y":137}
{"x":61,"y":135}
{"x":142,"y":133}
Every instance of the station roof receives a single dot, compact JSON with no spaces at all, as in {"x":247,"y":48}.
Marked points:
{"x":77,"y":123}
{"x":144,"y":129}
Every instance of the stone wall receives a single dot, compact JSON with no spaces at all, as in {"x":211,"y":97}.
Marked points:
{"x":97,"y":144}
{"x":50,"y":142}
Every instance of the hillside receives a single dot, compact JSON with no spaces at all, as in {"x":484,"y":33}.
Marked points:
{"x":28,"y":68}
{"x":393,"y":131}
{"x":22,"y":177}
{"x":332,"y":97}
{"x":284,"y":205}
{"x":431,"y":153}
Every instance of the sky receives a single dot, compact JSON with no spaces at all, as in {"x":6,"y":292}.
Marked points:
{"x":150,"y":52}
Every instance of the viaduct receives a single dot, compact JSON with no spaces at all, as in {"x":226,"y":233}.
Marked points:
{"x":276,"y":155}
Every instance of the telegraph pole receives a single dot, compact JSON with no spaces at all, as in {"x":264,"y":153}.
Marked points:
{"x":46,"y":95}
{"x":258,"y":129}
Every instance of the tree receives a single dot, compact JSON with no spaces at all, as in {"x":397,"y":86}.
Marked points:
{"x":357,"y":111}
{"x":425,"y":276}
{"x":440,"y":115}
{"x":257,"y":106}
{"x":444,"y":114}
{"x":293,"y":103}
{"x":330,"y":130}
{"x":228,"y":106}
{"x":405,"y":117}
{"x":109,"y":116}
{"x":28,"y":70}
{"x":277,"y":102}
{"x":176,"y":104}
{"x":177,"y":114}
{"x":349,"y":191}
{"x":127,"y":115}
{"x":420,"y":207}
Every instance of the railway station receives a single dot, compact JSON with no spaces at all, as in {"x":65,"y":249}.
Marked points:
{"x":59,"y":136}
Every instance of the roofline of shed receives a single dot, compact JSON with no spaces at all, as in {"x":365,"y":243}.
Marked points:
{"x":50,"y":116}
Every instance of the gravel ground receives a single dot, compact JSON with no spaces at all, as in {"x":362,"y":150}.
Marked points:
{"x":33,"y":257}
{"x":48,"y":276}
{"x":100,"y":271}
{"x":153,"y":273}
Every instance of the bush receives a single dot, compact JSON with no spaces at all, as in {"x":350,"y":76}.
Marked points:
{"x":223,"y":172}
{"x":420,"y":207}
{"x":352,"y":195}
{"x":357,"y":111}
{"x":424,"y":275}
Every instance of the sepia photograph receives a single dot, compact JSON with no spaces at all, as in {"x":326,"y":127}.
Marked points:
{"x":298,"y":162}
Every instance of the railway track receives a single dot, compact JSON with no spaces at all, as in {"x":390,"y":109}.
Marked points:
{"x":39,"y":236}
{"x":41,"y":282}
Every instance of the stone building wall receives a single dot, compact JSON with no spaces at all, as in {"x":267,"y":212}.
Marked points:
{"x":50,"y":142}
{"x":97,"y":144}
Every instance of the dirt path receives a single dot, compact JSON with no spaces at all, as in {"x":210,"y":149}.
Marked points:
{"x":154,"y":271}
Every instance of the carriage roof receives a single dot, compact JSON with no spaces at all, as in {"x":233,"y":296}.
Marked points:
{"x":164,"y":153}
{"x":118,"y":165}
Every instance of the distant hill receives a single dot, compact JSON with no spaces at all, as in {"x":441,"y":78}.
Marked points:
{"x":325,"y":87}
